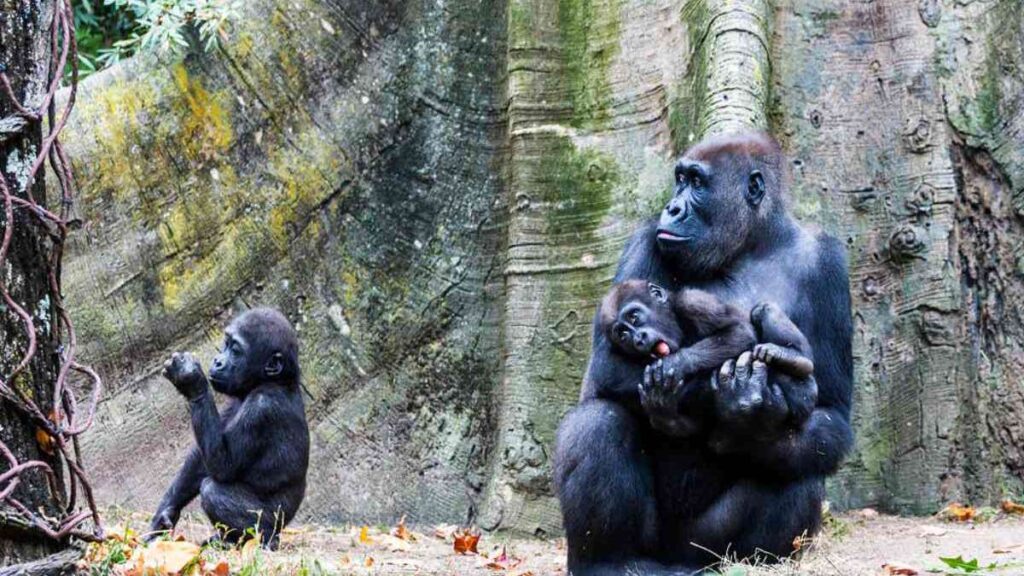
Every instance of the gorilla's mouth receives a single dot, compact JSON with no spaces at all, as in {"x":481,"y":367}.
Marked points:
{"x":661,"y":349}
{"x":666,"y":236}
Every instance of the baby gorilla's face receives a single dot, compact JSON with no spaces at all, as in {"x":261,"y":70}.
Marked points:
{"x":646,"y":326}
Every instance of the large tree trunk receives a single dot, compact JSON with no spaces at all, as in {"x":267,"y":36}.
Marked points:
{"x":24,"y":55}
{"x":437,"y":193}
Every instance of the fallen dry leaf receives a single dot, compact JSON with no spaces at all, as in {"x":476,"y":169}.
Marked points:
{"x":368,"y":562}
{"x":465,"y":542}
{"x":896,"y":569}
{"x":165,"y":557}
{"x":957,"y":512}
{"x":364,"y":535}
{"x":221,"y":569}
{"x":402,"y":532}
{"x":1011,"y":507}
{"x":394,"y":543}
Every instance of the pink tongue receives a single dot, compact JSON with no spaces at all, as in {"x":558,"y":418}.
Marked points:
{"x":661,"y":349}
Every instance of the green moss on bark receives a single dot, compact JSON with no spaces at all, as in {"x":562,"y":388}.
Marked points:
{"x":589,"y":31}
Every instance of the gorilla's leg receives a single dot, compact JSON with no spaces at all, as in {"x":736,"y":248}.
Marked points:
{"x":234,"y":510}
{"x":604,"y":484}
{"x":761,"y":521}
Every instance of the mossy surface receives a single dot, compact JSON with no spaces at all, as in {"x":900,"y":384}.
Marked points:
{"x":590,"y":41}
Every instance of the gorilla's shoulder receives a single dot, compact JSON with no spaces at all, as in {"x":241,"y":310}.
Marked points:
{"x":831,"y":254}
{"x":640,"y":252}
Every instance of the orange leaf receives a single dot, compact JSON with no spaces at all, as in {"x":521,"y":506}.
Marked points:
{"x":221,"y":569}
{"x":402,"y":532}
{"x":368,"y":561}
{"x":1011,"y":507}
{"x":958,"y":512}
{"x":364,"y":535}
{"x":465,"y":542}
{"x":45,"y":441}
{"x":896,"y":569}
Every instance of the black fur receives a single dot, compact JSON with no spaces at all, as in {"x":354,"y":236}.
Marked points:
{"x":249,"y":463}
{"x":635,"y":499}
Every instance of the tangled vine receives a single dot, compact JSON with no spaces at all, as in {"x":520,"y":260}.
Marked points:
{"x":63,"y":424}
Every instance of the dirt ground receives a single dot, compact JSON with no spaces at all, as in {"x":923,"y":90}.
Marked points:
{"x":853,"y":544}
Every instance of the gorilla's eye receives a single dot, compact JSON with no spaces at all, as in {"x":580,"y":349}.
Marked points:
{"x":634,"y":318}
{"x":696,"y":180}
{"x":623,"y":334}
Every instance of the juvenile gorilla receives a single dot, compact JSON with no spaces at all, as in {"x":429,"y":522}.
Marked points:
{"x":635,"y":500}
{"x":645,"y":322}
{"x":249,"y":463}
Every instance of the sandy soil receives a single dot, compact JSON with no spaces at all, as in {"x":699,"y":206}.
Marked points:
{"x":854,"y":544}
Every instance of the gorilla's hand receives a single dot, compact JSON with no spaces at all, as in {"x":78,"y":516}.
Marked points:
{"x":660,"y":393}
{"x":745,"y":399}
{"x":163,"y":521}
{"x":186,"y":374}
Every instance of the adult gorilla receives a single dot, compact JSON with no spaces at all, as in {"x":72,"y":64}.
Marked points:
{"x":636,"y":500}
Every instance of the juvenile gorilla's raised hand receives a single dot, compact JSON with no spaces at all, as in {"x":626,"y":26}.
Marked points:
{"x":660,"y":394}
{"x":184,"y":371}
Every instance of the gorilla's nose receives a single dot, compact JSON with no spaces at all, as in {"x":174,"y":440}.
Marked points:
{"x":673,"y":209}
{"x":640,"y":340}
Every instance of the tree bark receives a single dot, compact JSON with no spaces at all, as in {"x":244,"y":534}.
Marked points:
{"x":437,"y":194}
{"x":24,"y":55}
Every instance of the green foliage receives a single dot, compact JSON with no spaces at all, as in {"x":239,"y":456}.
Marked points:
{"x":109,"y":30}
{"x":97,"y":27}
{"x":965,"y":566}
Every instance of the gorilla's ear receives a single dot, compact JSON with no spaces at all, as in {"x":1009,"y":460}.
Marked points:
{"x":275,"y":365}
{"x":755,"y":188}
{"x":657,"y":292}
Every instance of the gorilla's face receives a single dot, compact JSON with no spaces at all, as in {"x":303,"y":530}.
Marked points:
{"x":646,"y":326}
{"x":231,"y":372}
{"x":714,"y":207}
{"x":258,"y":347}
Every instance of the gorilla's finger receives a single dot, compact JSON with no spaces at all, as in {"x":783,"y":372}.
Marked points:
{"x":759,"y":373}
{"x":725,"y":372}
{"x":714,"y":381}
{"x":743,"y":367}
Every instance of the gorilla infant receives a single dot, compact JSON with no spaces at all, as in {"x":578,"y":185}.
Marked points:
{"x":646,"y":322}
{"x":249,"y":463}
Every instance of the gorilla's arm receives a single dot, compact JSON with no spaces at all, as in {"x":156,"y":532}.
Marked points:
{"x":818,"y":444}
{"x":183,"y":490}
{"x":228,"y":450}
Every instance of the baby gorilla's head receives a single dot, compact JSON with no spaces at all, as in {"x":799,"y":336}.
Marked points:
{"x":638,"y":318}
